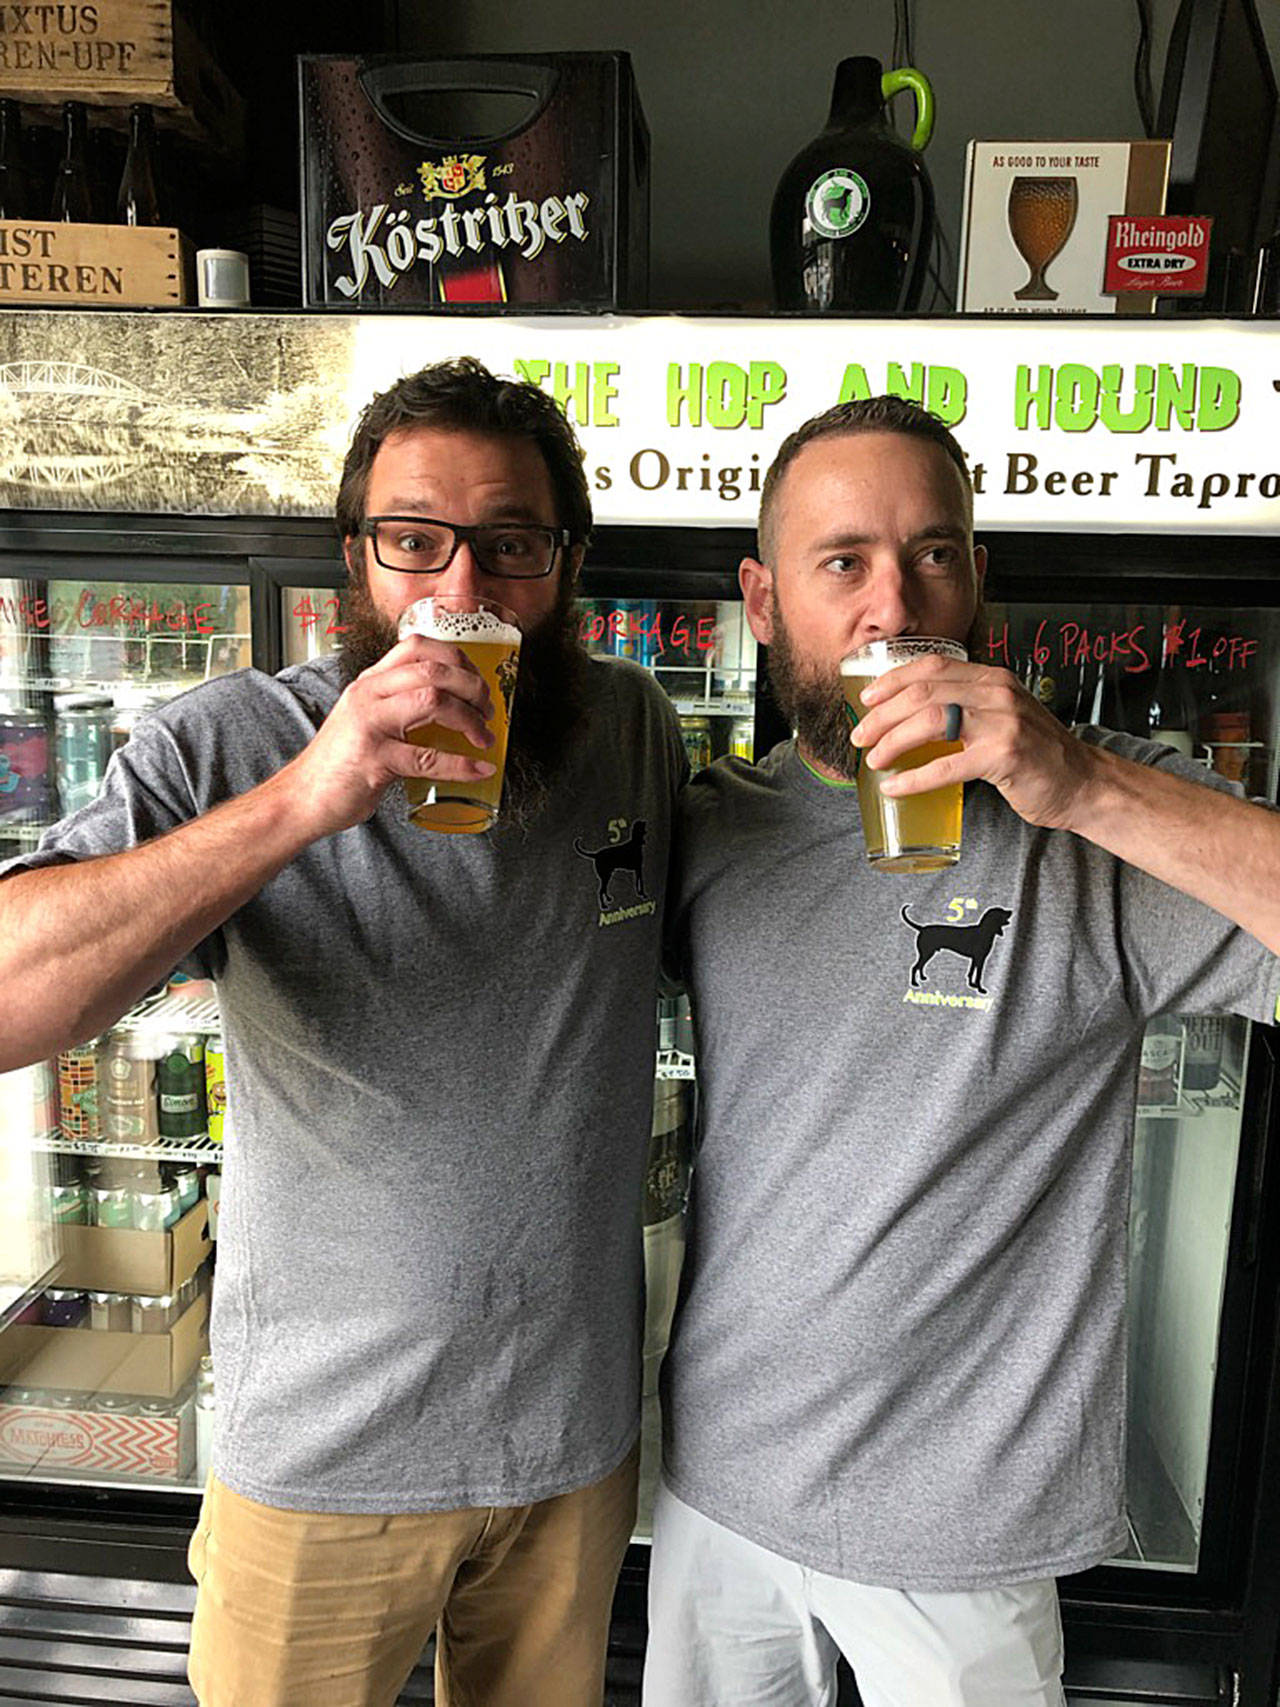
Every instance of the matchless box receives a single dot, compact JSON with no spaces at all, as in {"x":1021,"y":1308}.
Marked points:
{"x":155,"y":1443}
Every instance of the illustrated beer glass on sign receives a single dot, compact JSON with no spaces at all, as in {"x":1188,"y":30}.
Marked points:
{"x":912,"y":832}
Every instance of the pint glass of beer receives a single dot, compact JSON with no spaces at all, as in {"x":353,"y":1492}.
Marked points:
{"x":914,"y":832}
{"x":489,"y":634}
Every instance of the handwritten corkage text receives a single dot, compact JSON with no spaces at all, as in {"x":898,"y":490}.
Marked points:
{"x":120,"y":612}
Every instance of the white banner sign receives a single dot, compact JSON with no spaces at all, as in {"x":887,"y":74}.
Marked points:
{"x":1161,"y":426}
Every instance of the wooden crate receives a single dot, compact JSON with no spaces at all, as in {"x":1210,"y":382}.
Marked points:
{"x":114,"y":53}
{"x":120,"y":266}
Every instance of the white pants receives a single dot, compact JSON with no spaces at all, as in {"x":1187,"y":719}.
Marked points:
{"x":733,"y":1625}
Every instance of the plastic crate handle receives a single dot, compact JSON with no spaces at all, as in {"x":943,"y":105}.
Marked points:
{"x":380,"y":78}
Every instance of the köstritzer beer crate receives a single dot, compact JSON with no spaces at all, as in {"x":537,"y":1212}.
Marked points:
{"x":57,"y":264}
{"x":116,"y":52}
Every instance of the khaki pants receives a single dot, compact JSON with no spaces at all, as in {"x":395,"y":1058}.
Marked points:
{"x":321,"y":1609}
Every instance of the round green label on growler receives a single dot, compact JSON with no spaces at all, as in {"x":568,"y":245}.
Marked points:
{"x":838,"y":202}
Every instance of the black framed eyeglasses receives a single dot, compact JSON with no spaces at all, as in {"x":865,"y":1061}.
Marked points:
{"x":423,"y":545}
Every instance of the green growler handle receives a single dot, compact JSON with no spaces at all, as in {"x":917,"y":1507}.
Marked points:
{"x":894,"y":82}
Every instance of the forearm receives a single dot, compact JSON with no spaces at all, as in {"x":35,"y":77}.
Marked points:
{"x":81,"y":943}
{"x":1219,"y":849}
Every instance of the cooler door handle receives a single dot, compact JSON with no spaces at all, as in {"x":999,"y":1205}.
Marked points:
{"x":1266,"y":1039}
{"x":382,"y":77}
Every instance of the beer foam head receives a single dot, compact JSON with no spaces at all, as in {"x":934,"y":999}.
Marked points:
{"x":880,"y":656}
{"x":439,"y":621}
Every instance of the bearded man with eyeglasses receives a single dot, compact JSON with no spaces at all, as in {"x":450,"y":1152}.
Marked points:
{"x":440,"y":1047}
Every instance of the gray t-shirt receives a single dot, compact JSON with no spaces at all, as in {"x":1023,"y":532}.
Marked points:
{"x":899,"y":1356}
{"x":430,"y":1276}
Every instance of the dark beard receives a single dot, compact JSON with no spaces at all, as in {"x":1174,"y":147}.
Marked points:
{"x":812,"y":701}
{"x":550,"y":698}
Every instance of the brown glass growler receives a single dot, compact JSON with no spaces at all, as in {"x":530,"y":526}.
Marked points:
{"x":852,"y":221}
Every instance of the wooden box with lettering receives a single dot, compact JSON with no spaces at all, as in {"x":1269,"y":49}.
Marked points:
{"x":114,"y":52}
{"x":117,"y":266}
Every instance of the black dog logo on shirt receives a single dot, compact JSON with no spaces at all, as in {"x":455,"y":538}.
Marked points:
{"x":971,"y":942}
{"x":623,"y":855}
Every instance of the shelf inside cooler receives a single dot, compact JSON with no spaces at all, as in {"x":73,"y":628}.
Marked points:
{"x":721,"y":707}
{"x":14,"y":1299}
{"x":94,"y":684}
{"x":168,"y":1014}
{"x":27,"y":833}
{"x":1226,"y":1094}
{"x":673,"y":1065}
{"x":200,"y":1148}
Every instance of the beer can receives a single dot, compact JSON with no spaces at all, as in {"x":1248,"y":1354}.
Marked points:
{"x":69,"y":1205}
{"x":187,"y":1294}
{"x":111,"y":1207}
{"x":696,"y":732}
{"x":647,"y":632}
{"x":24,"y":766}
{"x":64,"y":1308}
{"x":154,"y":1211}
{"x":666,"y":1023}
{"x":153,"y":1315}
{"x":742,"y":739}
{"x":667,"y":1174}
{"x":116,"y":1403}
{"x":81,"y":747}
{"x":111,"y":1312}
{"x":182,"y":1095}
{"x":684,"y":1026}
{"x":622,"y":629}
{"x":184,"y":1181}
{"x":79,"y":1091}
{"x":61,"y":1399}
{"x":215,"y":1077}
{"x":213,"y":1191}
{"x":43,"y":1080}
{"x":130,"y":1112}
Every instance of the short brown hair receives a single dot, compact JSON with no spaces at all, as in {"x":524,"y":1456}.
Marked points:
{"x":868,"y":415}
{"x":465,"y":396}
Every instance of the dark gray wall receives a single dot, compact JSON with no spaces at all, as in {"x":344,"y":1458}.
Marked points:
{"x":733,"y":88}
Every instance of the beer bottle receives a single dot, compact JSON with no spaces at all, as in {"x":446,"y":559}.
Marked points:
{"x":138,"y":200}
{"x":72,"y":192}
{"x":1171,"y":706}
{"x":15,"y":179}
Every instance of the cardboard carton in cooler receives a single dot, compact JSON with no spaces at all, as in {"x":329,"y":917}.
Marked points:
{"x":121,"y":1259}
{"x":91,"y":1360}
{"x":50,"y":1441}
